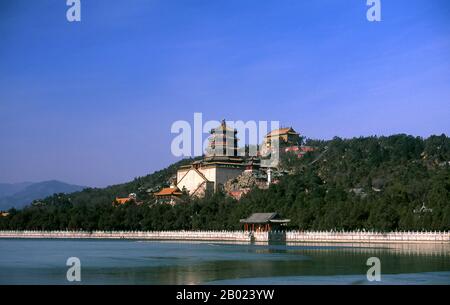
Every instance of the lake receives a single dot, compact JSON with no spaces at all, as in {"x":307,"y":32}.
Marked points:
{"x":43,"y":261}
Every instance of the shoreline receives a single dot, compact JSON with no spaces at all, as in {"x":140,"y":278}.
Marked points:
{"x":241,"y":236}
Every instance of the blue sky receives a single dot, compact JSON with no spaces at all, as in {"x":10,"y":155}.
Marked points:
{"x":92,"y":103}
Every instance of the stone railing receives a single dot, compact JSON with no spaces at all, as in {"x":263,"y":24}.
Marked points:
{"x":241,"y":236}
{"x":260,"y":236}
{"x":143,"y":235}
{"x":365,"y":237}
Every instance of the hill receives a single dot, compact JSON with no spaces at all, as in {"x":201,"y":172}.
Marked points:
{"x":18,"y":195}
{"x":398,"y":182}
{"x":8,"y":189}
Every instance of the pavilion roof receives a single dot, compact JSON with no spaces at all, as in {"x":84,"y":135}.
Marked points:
{"x":169,"y":191}
{"x":281,"y":131}
{"x":264,"y":218}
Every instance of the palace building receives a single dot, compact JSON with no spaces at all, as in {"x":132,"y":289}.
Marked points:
{"x":220,"y":164}
{"x":223,"y":142}
{"x":119,"y":201}
{"x":284,"y":136}
{"x":169,"y":195}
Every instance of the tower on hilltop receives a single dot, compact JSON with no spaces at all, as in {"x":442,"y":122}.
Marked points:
{"x":223,"y":142}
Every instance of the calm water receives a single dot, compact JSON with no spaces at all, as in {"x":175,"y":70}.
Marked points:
{"x":150,"y":262}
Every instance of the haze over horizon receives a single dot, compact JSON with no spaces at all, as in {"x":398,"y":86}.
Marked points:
{"x":92,"y":103}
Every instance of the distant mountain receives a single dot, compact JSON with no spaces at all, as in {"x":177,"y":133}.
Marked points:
{"x":8,"y":189}
{"x":18,"y":195}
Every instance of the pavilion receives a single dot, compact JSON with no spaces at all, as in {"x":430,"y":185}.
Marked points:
{"x":264,"y":222}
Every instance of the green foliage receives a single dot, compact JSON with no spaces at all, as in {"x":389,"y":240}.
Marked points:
{"x":376,"y":183}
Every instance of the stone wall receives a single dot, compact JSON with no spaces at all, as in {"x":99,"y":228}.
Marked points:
{"x":191,"y":180}
{"x":223,"y":174}
{"x":241,"y":236}
{"x":365,"y":237}
{"x":217,"y":175}
{"x":141,"y":235}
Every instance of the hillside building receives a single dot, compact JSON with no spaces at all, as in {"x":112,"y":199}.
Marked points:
{"x":169,"y":195}
{"x":285,"y":137}
{"x":123,"y":200}
{"x":220,"y":164}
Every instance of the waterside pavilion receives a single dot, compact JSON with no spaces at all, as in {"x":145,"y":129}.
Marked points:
{"x":264,"y":222}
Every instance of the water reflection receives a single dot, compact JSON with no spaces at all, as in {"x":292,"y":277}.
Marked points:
{"x":132,"y":262}
{"x":442,"y":249}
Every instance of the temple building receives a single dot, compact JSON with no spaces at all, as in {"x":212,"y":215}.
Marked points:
{"x":286,"y":137}
{"x":223,"y":142}
{"x":220,"y":164}
{"x":169,"y":195}
{"x":223,"y":163}
{"x":284,"y":140}
{"x":120,"y":201}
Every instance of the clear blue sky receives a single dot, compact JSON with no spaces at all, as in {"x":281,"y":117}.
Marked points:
{"x":92,"y":103}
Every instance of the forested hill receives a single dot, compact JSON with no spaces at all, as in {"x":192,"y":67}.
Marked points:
{"x":398,"y":182}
